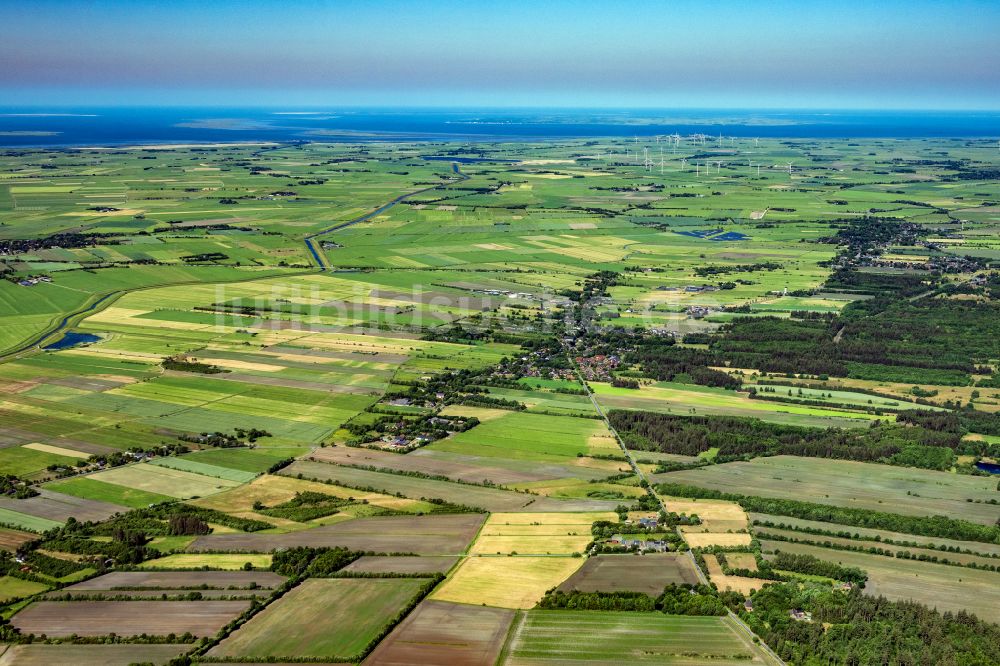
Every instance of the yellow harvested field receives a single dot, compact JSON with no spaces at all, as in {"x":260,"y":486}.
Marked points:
{"x":116,"y":315}
{"x":227,"y":561}
{"x":706,"y":539}
{"x":506,"y":582}
{"x":105,"y":352}
{"x":58,"y":450}
{"x":234,"y":364}
{"x":716,"y":515}
{"x":736,"y":583}
{"x":603,"y":442}
{"x":537,"y":533}
{"x":742,"y":561}
{"x":611,"y":466}
{"x":481,"y":413}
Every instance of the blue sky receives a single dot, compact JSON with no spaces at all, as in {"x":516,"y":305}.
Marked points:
{"x":666,"y":54}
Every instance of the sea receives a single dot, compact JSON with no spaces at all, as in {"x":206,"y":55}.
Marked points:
{"x":119,"y":126}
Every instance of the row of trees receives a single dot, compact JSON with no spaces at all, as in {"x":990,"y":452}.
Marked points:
{"x":676,"y":599}
{"x":738,"y":437}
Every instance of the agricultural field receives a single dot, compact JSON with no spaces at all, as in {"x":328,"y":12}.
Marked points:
{"x":50,"y":508}
{"x":677,"y":398}
{"x":328,"y":618}
{"x":125,"y":580}
{"x":376,"y":564}
{"x":103,"y":491}
{"x":193,"y":561}
{"x":424,"y":535}
{"x":480,"y":497}
{"x":559,"y":637}
{"x":16,"y":588}
{"x":437,"y":632}
{"x":742,"y":584}
{"x":11,"y":540}
{"x":505,"y":582}
{"x":807,"y":526}
{"x":126,"y":618}
{"x":520,"y":436}
{"x":460,"y":467}
{"x":123,"y":654}
{"x":648,"y":573}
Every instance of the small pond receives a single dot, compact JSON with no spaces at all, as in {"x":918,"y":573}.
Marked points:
{"x":72,"y":339}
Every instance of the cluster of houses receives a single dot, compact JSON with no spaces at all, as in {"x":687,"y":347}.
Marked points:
{"x":698,"y":311}
{"x":598,"y":367}
{"x":32,"y":281}
{"x":504,"y":292}
{"x":401,"y":442}
{"x":690,"y":289}
{"x":650,"y":546}
{"x":640,"y":545}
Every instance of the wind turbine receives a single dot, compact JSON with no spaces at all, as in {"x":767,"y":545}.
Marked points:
{"x":790,"y":168}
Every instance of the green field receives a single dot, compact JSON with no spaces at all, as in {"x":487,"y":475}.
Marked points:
{"x":205,"y":469}
{"x":556,"y":637}
{"x":26,"y":522}
{"x":353,"y":612}
{"x":90,"y":488}
{"x":16,"y":588}
{"x":210,"y":561}
{"x":164,"y":481}
{"x":532,"y":437}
